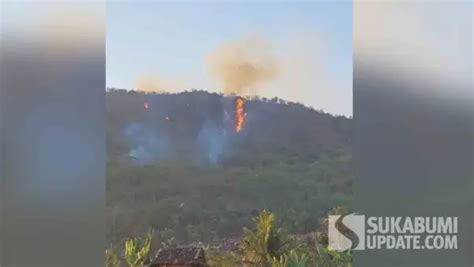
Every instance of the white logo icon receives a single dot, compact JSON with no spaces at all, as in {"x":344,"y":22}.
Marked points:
{"x":346,"y":232}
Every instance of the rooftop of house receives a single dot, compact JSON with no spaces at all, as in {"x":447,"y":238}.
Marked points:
{"x":188,"y":255}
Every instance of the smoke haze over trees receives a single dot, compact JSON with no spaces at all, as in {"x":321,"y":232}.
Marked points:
{"x":179,"y":167}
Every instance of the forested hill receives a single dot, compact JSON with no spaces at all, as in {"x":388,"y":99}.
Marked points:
{"x":184,"y":119}
{"x":176,"y":164}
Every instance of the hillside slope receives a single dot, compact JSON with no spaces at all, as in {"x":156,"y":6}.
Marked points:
{"x":178,"y":166}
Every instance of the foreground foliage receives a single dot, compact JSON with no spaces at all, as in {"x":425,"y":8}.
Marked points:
{"x":266,"y":245}
{"x":137,"y":251}
{"x":291,"y":259}
{"x":111,"y":259}
{"x":264,"y":242}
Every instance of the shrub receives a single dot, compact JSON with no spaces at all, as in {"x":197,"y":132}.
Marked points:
{"x":137,"y":251}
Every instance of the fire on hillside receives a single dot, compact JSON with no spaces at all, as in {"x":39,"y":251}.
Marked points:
{"x":239,"y":113}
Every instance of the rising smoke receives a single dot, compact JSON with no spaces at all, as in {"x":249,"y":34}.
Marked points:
{"x":245,"y":66}
{"x":242,"y":64}
{"x":152,"y":84}
{"x":193,"y":127}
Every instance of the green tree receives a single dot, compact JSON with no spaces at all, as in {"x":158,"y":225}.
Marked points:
{"x":291,"y":259}
{"x":265,"y":241}
{"x":137,"y":251}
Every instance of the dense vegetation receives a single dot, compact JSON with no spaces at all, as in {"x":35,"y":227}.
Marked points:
{"x":264,"y":245}
{"x":179,"y":168}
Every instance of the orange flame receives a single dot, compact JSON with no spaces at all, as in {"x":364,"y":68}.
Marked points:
{"x":239,"y":114}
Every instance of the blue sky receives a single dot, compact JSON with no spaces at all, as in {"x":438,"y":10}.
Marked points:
{"x":170,"y":40}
